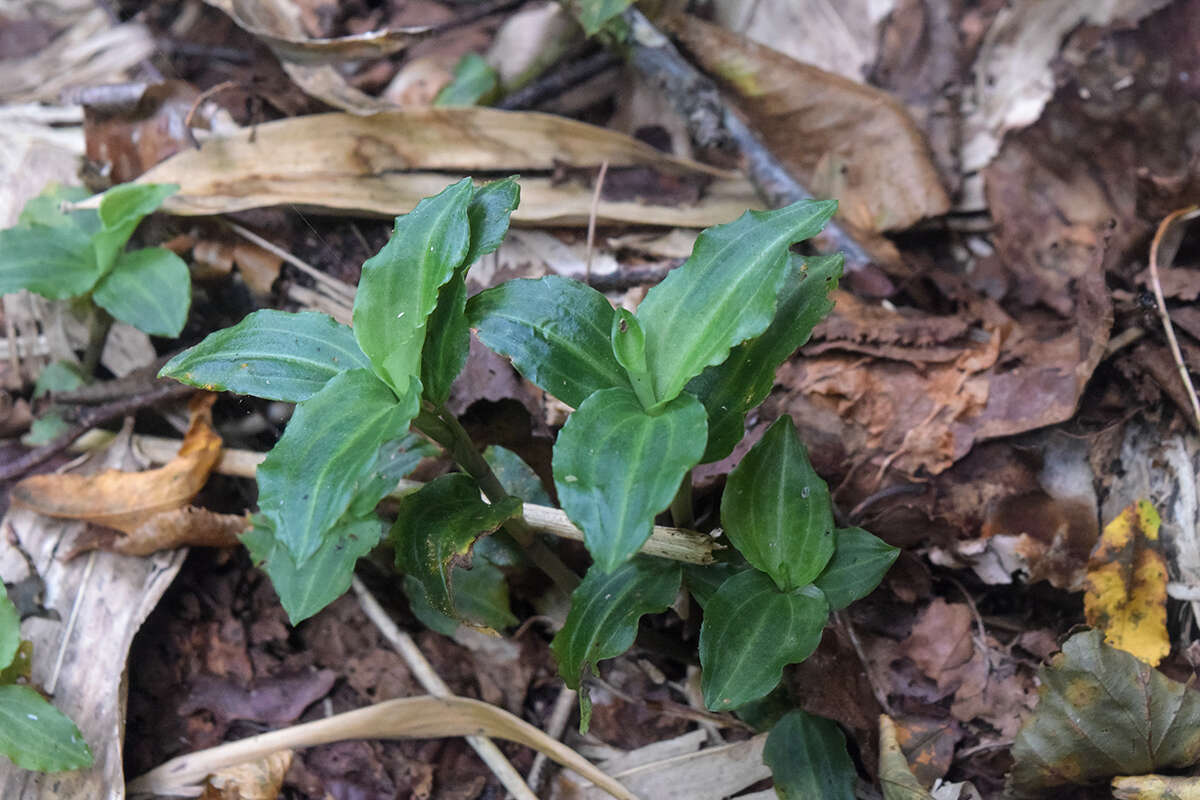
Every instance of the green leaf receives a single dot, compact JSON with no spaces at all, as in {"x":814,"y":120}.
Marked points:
{"x":480,"y":598}
{"x":122,"y":208}
{"x":151,"y":289}
{"x":45,"y":209}
{"x":807,"y":756}
{"x":739,"y":383}
{"x":399,"y":285}
{"x":616,"y":467}
{"x":423,"y":610}
{"x":54,"y":262}
{"x":725,"y":293}
{"x":58,"y":376}
{"x":1103,"y":712}
{"x":46,"y":428}
{"x":776,"y":509}
{"x":629,"y":348}
{"x":276,"y":355}
{"x":489,"y":214}
{"x":593,"y":14}
{"x":393,"y":461}
{"x":517,"y":477}
{"x":448,"y":341}
{"x":475,"y":83}
{"x":303,"y":591}
{"x":751,"y":631}
{"x":703,"y":580}
{"x":10,"y":629}
{"x":326,"y":454}
{"x":36,"y":735}
{"x":435,"y":528}
{"x":605,"y":609}
{"x":860,"y":560}
{"x":557,"y":331}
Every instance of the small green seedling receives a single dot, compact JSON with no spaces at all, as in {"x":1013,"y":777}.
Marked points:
{"x":33,"y":733}
{"x":655,"y":394}
{"x":81,"y":254}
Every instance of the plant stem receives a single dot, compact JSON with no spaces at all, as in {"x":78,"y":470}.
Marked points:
{"x":444,"y":428}
{"x":99,"y":324}
{"x":681,"y":506}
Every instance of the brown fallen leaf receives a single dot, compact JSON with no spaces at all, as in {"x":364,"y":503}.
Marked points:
{"x":187,"y":526}
{"x":895,"y":775}
{"x":382,"y":164}
{"x":256,"y":780}
{"x":1125,"y":591}
{"x":1156,"y":787}
{"x":127,"y":500}
{"x":842,"y":139}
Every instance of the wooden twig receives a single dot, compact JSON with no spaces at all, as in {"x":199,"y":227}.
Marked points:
{"x":564,"y":704}
{"x":1182,"y":215}
{"x":558,"y":80}
{"x":591,"y":229}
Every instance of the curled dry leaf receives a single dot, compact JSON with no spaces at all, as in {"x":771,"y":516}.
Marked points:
{"x":841,"y":138}
{"x":256,"y":780}
{"x":127,"y":500}
{"x":366,"y":164}
{"x":187,"y":526}
{"x":1125,"y":593}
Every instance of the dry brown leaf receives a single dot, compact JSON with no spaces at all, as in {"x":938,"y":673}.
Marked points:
{"x":127,"y":500}
{"x":841,"y":138}
{"x":1156,"y":787}
{"x":382,"y":164}
{"x":187,"y":526}
{"x":941,"y":642}
{"x":257,"y":780}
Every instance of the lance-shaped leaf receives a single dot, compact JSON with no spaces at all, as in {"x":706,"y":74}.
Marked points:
{"x":311,"y":475}
{"x":393,"y":461}
{"x":399,"y":285}
{"x":860,"y":560}
{"x":557,"y":332}
{"x":703,"y":580}
{"x":725,"y":293}
{"x":616,"y":467}
{"x":751,"y":631}
{"x":46,"y":209}
{"x":151,"y":289}
{"x":303,"y":591}
{"x":603,"y":621}
{"x":276,"y":355}
{"x":1103,"y":712}
{"x":739,"y":383}
{"x":10,"y":629}
{"x":776,"y":509}
{"x":488,"y":215}
{"x":36,"y":735}
{"x":435,"y":528}
{"x":807,"y":756}
{"x":629,"y":347}
{"x":480,"y":599}
{"x":122,"y":208}
{"x":54,"y":262}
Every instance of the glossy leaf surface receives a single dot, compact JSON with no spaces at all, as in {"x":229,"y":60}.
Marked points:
{"x":776,"y":509}
{"x":629,"y":348}
{"x":557,"y":332}
{"x":616,"y":467}
{"x":435,"y":528}
{"x":488,"y":215}
{"x":517,"y":477}
{"x":703,"y":580}
{"x":605,"y":609}
{"x":860,"y":560}
{"x":122,"y":208}
{"x":10,"y":629}
{"x":36,"y":735}
{"x":327,"y":451}
{"x":807,"y":756}
{"x":276,"y":355}
{"x":393,"y":461}
{"x":751,"y":631}
{"x":303,"y":591}
{"x":738,"y":384}
{"x":447,"y":341}
{"x":725,"y":293}
{"x":151,"y":289}
{"x":399,"y":285}
{"x":480,"y":598}
{"x":54,"y":262}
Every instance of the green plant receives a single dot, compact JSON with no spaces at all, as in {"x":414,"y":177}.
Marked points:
{"x":33,"y":733}
{"x":81,"y":254}
{"x":655,"y":394}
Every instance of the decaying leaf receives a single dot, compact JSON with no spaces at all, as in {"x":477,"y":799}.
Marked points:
{"x":895,"y":776}
{"x":256,"y":780}
{"x":1125,"y":592}
{"x":365,"y":164}
{"x":186,"y":526}
{"x":1156,"y":787}
{"x":841,"y":138}
{"x":1101,"y":713}
{"x":127,"y":500}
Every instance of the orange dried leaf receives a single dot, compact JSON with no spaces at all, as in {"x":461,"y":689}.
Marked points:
{"x":1125,"y":592}
{"x":127,"y":500}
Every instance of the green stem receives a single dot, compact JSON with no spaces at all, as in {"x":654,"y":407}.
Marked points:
{"x":681,"y":506}
{"x":444,"y":428}
{"x":99,"y":324}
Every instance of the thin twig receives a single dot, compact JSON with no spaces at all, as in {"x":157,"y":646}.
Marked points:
{"x":564,"y":704}
{"x":433,"y":683}
{"x":336,"y":287}
{"x":843,"y":622}
{"x":207,"y":94}
{"x":52,"y":684}
{"x":558,"y":80}
{"x":591,"y":229}
{"x":1182,"y":215}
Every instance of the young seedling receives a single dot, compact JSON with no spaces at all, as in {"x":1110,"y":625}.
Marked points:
{"x":655,"y":394}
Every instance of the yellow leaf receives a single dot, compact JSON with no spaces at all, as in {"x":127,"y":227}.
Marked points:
{"x":1125,"y":593}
